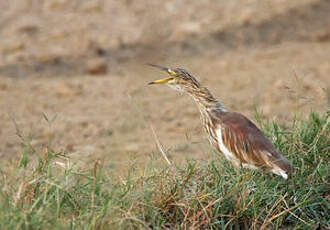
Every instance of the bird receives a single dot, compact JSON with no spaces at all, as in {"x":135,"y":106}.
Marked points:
{"x":231,"y":133}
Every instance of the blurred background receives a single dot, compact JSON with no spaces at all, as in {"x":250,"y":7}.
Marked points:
{"x":73,"y":72}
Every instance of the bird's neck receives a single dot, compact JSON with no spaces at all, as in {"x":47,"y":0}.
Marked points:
{"x":205,"y":100}
{"x":210,"y":109}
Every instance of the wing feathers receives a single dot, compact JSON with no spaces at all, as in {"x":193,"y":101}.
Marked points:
{"x":247,"y":143}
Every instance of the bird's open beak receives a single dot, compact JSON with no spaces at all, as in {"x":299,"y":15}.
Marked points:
{"x":165,"y":80}
{"x":161,"y":81}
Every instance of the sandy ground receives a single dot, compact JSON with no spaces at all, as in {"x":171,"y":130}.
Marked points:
{"x":82,"y":65}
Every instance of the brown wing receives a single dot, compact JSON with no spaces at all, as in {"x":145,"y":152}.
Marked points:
{"x":249,"y":144}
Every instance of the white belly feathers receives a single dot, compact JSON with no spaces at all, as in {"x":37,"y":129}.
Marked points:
{"x":223,"y":148}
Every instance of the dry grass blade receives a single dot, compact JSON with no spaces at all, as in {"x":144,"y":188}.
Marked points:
{"x":267,"y":219}
{"x":18,"y":194}
{"x":96,"y":164}
{"x":160,"y":147}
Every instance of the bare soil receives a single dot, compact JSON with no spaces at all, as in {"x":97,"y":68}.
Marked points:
{"x":81,"y":64}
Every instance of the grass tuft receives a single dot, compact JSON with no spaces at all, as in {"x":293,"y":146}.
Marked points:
{"x":46,"y":190}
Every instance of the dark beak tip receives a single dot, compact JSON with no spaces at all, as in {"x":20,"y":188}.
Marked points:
{"x":158,"y":67}
{"x":150,"y":83}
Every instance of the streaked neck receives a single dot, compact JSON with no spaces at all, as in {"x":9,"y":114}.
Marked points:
{"x":205,"y":100}
{"x":209,"y":108}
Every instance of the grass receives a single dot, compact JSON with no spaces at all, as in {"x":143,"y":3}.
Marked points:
{"x":46,"y":190}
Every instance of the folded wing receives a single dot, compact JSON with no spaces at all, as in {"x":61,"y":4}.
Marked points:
{"x":248,"y":144}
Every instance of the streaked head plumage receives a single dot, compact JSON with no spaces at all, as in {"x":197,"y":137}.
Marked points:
{"x":179,"y":79}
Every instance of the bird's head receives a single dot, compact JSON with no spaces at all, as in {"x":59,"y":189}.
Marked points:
{"x":178,"y":79}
